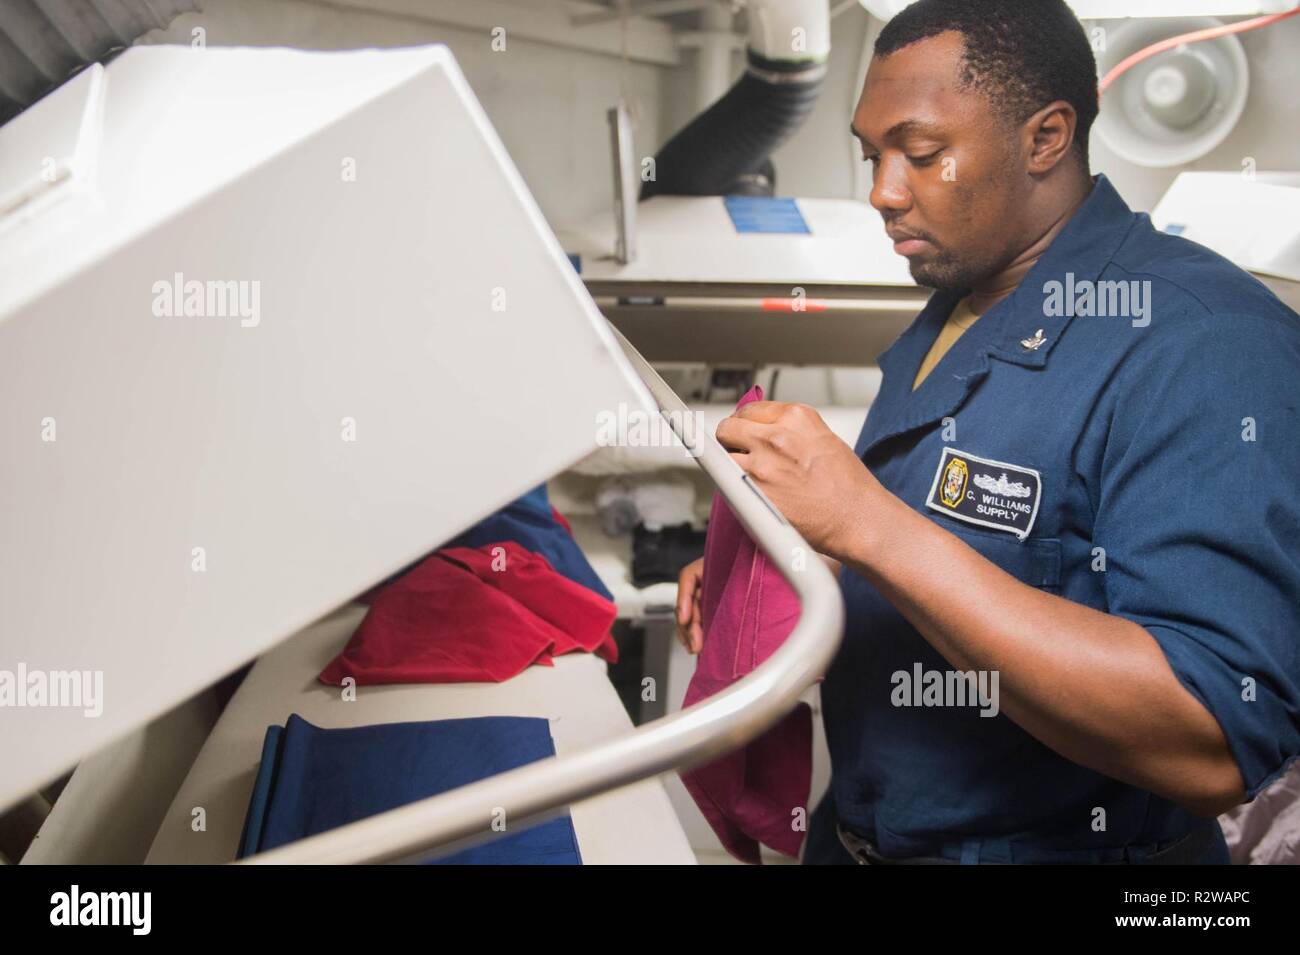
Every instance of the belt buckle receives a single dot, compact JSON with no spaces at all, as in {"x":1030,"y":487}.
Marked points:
{"x":861,"y":850}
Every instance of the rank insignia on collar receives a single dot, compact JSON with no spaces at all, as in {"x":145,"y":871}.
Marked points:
{"x":1035,"y":343}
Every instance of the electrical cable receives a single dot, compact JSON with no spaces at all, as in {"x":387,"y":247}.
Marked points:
{"x":1195,"y":36}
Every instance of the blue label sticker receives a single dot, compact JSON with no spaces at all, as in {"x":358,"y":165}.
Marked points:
{"x":765,"y":214}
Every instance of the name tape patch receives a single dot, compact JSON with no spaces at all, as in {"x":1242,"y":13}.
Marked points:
{"x":988,"y":493}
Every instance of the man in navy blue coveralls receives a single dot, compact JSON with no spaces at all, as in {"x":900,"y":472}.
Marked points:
{"x":1088,"y":512}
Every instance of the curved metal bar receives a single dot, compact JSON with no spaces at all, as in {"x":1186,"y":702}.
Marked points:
{"x":463,"y":817}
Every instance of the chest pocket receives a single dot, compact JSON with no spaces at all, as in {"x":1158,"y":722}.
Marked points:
{"x":1034,"y":562}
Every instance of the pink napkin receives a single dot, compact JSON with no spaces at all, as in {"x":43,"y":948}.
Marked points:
{"x":759,"y":793}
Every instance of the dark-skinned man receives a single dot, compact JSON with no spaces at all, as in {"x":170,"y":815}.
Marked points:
{"x":1078,"y":489}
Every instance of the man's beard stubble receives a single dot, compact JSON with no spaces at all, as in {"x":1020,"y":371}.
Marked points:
{"x":947,"y":273}
{"x":943,"y":273}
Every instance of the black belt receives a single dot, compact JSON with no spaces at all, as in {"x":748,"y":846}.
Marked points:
{"x":1186,"y":850}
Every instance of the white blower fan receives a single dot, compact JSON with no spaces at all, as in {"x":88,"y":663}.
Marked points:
{"x":1178,"y":105}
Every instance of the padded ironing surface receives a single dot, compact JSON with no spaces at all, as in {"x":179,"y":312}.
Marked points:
{"x":635,"y":824}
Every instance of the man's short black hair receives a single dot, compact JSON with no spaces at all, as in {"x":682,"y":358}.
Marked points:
{"x":1023,"y":54}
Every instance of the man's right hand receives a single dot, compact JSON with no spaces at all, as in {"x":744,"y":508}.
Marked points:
{"x":690,"y":628}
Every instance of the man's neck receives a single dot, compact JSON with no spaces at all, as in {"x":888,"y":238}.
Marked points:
{"x":984,"y":295}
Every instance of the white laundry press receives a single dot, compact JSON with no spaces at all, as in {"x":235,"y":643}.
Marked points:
{"x":263,"y":343}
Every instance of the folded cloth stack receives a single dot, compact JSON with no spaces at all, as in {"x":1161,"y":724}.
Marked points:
{"x":312,"y":780}
{"x":512,"y":591}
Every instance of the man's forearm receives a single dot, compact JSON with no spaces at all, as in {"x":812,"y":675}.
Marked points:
{"x":1094,"y":687}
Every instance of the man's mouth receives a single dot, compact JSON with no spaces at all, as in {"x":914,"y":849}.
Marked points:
{"x":906,"y":244}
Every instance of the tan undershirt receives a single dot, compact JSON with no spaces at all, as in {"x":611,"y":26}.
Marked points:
{"x":961,"y":319}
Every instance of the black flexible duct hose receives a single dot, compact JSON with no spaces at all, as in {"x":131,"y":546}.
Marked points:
{"x":725,"y":150}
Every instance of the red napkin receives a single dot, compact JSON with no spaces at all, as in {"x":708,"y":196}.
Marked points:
{"x":474,"y":614}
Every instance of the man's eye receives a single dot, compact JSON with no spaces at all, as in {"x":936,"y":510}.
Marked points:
{"x":926,"y":159}
{"x":873,"y":158}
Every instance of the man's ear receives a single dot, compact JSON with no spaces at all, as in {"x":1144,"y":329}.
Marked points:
{"x":1049,"y":135}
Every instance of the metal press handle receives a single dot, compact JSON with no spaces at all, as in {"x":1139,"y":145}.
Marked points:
{"x":462,"y":817}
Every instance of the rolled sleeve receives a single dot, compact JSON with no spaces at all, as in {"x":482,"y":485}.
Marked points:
{"x":1198,"y":512}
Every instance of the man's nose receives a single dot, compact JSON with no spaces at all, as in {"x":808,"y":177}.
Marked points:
{"x":889,"y":192}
